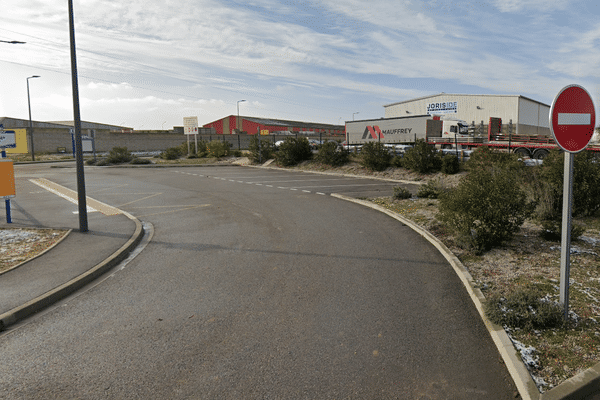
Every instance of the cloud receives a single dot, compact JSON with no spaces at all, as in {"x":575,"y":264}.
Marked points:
{"x":514,"y":6}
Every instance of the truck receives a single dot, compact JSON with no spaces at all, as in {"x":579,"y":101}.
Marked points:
{"x":450,"y":133}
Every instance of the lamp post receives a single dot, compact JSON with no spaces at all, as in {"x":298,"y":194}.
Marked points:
{"x":353,"y":115}
{"x":12,"y":41}
{"x":30,"y":124}
{"x":237,"y":122}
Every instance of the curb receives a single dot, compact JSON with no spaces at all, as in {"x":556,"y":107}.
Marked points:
{"x":577,"y":387}
{"x":16,"y":314}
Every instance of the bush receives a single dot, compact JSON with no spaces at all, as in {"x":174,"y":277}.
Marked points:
{"x":486,"y":208}
{"x":293,"y":151}
{"x":431,"y":190}
{"x":450,"y":164}
{"x":486,"y":157}
{"x":172,"y":153}
{"x":137,"y":160}
{"x":330,"y":154}
{"x":236,"y":153}
{"x":401,"y":193}
{"x":398,"y":161}
{"x":586,"y":182}
{"x":422,"y":158}
{"x":119,"y":155}
{"x":375,"y":156}
{"x":266,"y":149}
{"x":524,"y":308}
{"x":552,"y":230}
{"x":218,"y":148}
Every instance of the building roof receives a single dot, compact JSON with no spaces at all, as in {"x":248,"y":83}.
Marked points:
{"x":24,"y":123}
{"x":286,"y":123}
{"x":458,"y":94}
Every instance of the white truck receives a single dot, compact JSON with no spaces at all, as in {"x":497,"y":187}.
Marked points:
{"x":403,"y":130}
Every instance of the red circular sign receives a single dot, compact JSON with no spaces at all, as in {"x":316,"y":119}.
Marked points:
{"x":572,"y":118}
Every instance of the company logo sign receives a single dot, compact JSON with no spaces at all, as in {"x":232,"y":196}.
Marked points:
{"x":449,"y":107}
{"x":373,"y":131}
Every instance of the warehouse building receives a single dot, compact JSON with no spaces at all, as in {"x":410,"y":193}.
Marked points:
{"x":233,"y":124}
{"x":519,"y":114}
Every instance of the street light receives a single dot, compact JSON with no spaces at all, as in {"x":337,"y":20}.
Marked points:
{"x":30,"y":124}
{"x":237,"y":122}
{"x":353,"y":115}
{"x":12,"y":41}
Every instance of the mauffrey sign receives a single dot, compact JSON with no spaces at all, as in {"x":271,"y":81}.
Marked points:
{"x":447,"y":107}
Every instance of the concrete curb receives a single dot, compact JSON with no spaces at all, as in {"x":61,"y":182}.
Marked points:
{"x":42,"y":253}
{"x":577,"y":387}
{"x":16,"y":314}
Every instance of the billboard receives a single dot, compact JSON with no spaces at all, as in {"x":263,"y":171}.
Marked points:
{"x":190,"y":125}
{"x":21,"y":142}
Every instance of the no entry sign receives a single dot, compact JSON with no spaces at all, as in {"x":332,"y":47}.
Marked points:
{"x":572,"y":118}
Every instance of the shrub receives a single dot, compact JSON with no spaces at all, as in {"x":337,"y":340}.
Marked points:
{"x":586,"y":182}
{"x":486,"y":157}
{"x":486,"y":208}
{"x":90,"y":161}
{"x":375,"y":156}
{"x":217,"y":148}
{"x":431,"y":190}
{"x":552,"y":230}
{"x":401,"y":193}
{"x":330,"y":154}
{"x":398,"y":161}
{"x":266,"y":149}
{"x":422,"y":158}
{"x":172,"y":153}
{"x":236,"y":153}
{"x":524,"y":308}
{"x":119,"y":155}
{"x":293,"y":151}
{"x":137,"y":160}
{"x":450,"y":164}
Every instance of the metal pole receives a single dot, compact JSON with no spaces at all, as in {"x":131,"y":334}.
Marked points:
{"x":30,"y":123}
{"x":81,"y":198}
{"x":6,"y":201}
{"x":565,"y":248}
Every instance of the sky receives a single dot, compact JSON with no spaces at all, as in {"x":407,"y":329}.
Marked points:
{"x":147,"y":64}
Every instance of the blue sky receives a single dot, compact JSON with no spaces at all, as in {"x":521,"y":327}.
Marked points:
{"x":147,"y":63}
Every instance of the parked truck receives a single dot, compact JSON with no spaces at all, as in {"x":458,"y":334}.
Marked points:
{"x":450,"y":133}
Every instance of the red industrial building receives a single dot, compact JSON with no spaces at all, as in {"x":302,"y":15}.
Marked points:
{"x":266,"y":126}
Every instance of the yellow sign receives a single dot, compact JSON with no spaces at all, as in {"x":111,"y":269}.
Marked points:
{"x":21,"y":139}
{"x":264,"y":132}
{"x":7,"y":178}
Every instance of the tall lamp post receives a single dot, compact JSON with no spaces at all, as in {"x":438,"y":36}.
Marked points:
{"x":353,"y":114}
{"x":30,"y":124}
{"x":237,"y":121}
{"x":12,"y":41}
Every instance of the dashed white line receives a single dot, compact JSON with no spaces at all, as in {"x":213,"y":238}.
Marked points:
{"x":306,"y":191}
{"x":269,"y":185}
{"x":322,"y":194}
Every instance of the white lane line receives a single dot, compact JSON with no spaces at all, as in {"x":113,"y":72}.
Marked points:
{"x":293,"y":189}
{"x":306,"y":191}
{"x":280,"y":187}
{"x":269,"y":185}
{"x":322,"y":194}
{"x":258,"y":184}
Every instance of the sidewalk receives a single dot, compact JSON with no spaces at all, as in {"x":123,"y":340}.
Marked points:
{"x":74,"y":262}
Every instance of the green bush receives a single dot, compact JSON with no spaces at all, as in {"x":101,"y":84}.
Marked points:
{"x":487,"y":157}
{"x":119,"y":155}
{"x":422,"y":158}
{"x":236,"y":153}
{"x":293,"y":151}
{"x":218,"y":148}
{"x":90,"y":161}
{"x":330,"y":154}
{"x":266,"y":149}
{"x":401,"y":193}
{"x":552,"y":230}
{"x":375,"y":156}
{"x":172,"y":153}
{"x":486,"y":208}
{"x":525,"y":309}
{"x":431,"y":190}
{"x":586,"y":182}
{"x":137,"y":160}
{"x":397,"y":161}
{"x":450,"y":164}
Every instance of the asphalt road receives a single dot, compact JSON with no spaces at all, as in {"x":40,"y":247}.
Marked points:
{"x":257,"y":285}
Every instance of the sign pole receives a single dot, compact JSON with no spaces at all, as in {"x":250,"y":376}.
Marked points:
{"x":565,"y":248}
{"x":572,"y":123}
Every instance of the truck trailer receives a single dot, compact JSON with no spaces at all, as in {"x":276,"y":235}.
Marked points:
{"x":450,"y":133}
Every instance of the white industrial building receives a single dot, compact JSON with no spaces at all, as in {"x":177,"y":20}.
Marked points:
{"x":524,"y":115}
